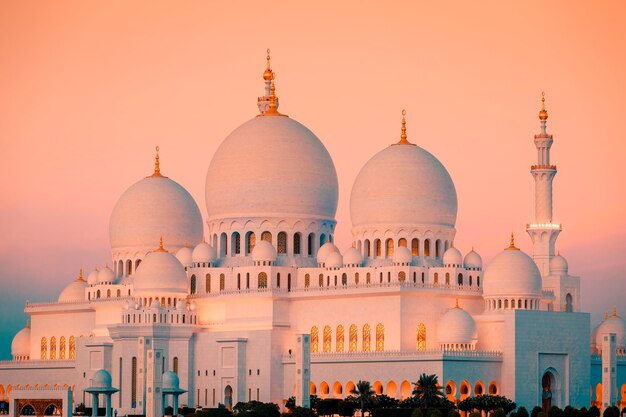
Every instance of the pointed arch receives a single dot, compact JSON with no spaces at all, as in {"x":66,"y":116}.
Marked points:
{"x":380,"y":337}
{"x":44,"y":348}
{"x":421,"y":336}
{"x":353,"y":338}
{"x":281,"y":246}
{"x":62,"y":347}
{"x":314,"y":339}
{"x":72,"y":354}
{"x":367,"y":337}
{"x":327,"y":338}
{"x":339,"y":339}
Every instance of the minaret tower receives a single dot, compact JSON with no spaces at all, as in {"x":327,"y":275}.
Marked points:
{"x":543,"y":231}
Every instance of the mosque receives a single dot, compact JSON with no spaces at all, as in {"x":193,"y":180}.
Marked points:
{"x":259,"y":303}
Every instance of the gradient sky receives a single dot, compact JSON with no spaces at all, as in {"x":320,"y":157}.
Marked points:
{"x":87,"y":89}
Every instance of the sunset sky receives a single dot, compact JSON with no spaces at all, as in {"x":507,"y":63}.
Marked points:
{"x":88,"y":89}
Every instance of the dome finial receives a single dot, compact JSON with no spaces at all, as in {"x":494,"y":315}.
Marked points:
{"x":160,"y":249}
{"x":268,"y":74}
{"x":80,"y":276}
{"x":403,"y":137}
{"x":456,"y":305}
{"x":606,"y":315}
{"x":157,"y":168}
{"x":512,"y":244}
{"x":543,"y":114}
{"x":614,"y":312}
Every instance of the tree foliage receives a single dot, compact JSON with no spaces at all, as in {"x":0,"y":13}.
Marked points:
{"x":487,"y":403}
{"x":427,"y":390}
{"x":363,"y":394}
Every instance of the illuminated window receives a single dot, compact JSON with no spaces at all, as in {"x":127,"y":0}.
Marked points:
{"x":222,"y":282}
{"x":314,"y":339}
{"x":207,"y":283}
{"x":327,"y":337}
{"x":401,"y":276}
{"x":266,"y":236}
{"x":262,"y":281}
{"x":62,"y":347}
{"x":415,"y":247}
{"x":53,"y":347}
{"x":427,"y":247}
{"x":421,"y":336}
{"x":72,"y":347}
{"x":353,"y":338}
{"x":377,"y":248}
{"x":402,"y":242}
{"x":250,"y":242}
{"x":389,"y":248}
{"x":282,"y":243}
{"x":380,"y":337}
{"x":366,"y":338}
{"x":44,"y":348}
{"x":307,"y":281}
{"x":193,"y":284}
{"x":339,"y":339}
{"x":296,"y":243}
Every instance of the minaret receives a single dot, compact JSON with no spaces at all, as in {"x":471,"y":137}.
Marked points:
{"x":543,"y":231}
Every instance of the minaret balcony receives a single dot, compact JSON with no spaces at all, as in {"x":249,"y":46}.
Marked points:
{"x":554,"y":226}
{"x":534,"y":167}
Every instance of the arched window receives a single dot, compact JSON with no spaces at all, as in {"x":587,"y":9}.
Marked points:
{"x":137,"y":263}
{"x":421,"y":336}
{"x":367,"y":250}
{"x":236,"y":242}
{"x":108,"y":293}
{"x":402,"y":242}
{"x":389,"y":248}
{"x":223,"y":245}
{"x":380,"y":337}
{"x":119,"y":293}
{"x":307,"y":280}
{"x":296,"y":243}
{"x":339,"y":339}
{"x":62,"y":347}
{"x":569,"y":302}
{"x":238,"y":281}
{"x":447,"y":278}
{"x":377,"y":248}
{"x":460,"y":279}
{"x":368,"y":278}
{"x":53,"y":347}
{"x":327,"y":338}
{"x":427,"y":247}
{"x":322,"y":239}
{"x":193,"y":284}
{"x":478,"y":281}
{"x":415,"y":247}
{"x":321,"y":280}
{"x":470,"y":283}
{"x":356,"y":278}
{"x":436,"y":280}
{"x":247,"y":280}
{"x":266,"y":236}
{"x":175,"y":365}
{"x":262,"y":280}
{"x":437,"y":248}
{"x":72,"y":347}
{"x":367,"y":337}
{"x":401,"y":276}
{"x":344,"y":279}
{"x":314,"y":339}
{"x":129,"y":267}
{"x":250,"y":242}
{"x":353,"y":338}
{"x":222,"y":282}
{"x":98,"y":294}
{"x":207,"y":284}
{"x":282,"y":243}
{"x":44,"y":348}
{"x":309,"y":244}
{"x":133,"y":382}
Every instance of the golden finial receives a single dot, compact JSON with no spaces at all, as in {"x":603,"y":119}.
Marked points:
{"x":157,"y":169}
{"x":614,"y":312}
{"x":606,"y":315}
{"x":268,"y":74}
{"x":403,"y":137}
{"x":273,"y":106}
{"x":80,"y":276}
{"x":456,"y":305}
{"x":160,"y":249}
{"x":512,"y":244}
{"x":543,"y":114}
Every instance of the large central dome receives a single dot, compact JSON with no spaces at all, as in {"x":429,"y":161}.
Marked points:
{"x":271,"y":167}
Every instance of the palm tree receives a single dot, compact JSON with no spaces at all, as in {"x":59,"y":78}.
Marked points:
{"x":427,"y":389}
{"x":363,"y":393}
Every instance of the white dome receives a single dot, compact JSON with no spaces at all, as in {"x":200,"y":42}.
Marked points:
{"x":325,"y":250}
{"x":75,"y":291}
{"x":20,"y":346}
{"x":452,"y":257}
{"x":512,"y":273}
{"x":457,"y":326}
{"x":106,"y":276}
{"x":101,"y":379}
{"x":402,"y":255}
{"x":160,"y":272}
{"x":558,"y":265}
{"x":473,"y":260}
{"x":264,"y":251}
{"x":152,"y":208}
{"x":92,"y":278}
{"x":203,"y":253}
{"x":170,"y":380}
{"x":184,"y":255}
{"x":271,"y":166}
{"x":334,"y":260}
{"x":403,"y":185}
{"x":614,"y":324}
{"x":352,"y":257}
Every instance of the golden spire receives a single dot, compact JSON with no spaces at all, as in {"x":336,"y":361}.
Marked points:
{"x":512,"y":244}
{"x":273,"y":106}
{"x":456,"y":305}
{"x":80,"y":276}
{"x":403,"y":137}
{"x":614,"y":312}
{"x":157,"y":169}
{"x":160,"y":249}
{"x":606,"y":315}
{"x":268,"y":74}
{"x":543,"y":114}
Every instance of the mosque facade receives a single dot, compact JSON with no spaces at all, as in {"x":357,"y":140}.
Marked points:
{"x":258,"y":303}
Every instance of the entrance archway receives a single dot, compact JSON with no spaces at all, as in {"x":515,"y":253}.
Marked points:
{"x":228,"y":397}
{"x":550,"y":389}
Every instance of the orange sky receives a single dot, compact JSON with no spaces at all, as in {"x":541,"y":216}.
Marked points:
{"x":89,"y":88}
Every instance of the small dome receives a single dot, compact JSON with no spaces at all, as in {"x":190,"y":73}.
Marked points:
{"x":473,"y":260}
{"x":170,"y":380}
{"x":106,"y":276}
{"x":325,"y":250}
{"x":334,"y":260}
{"x":160,"y":272}
{"x":184,"y":255}
{"x":203,"y":253}
{"x":452,"y":257}
{"x":75,"y":291}
{"x":558,"y":265}
{"x":352,"y":257}
{"x":101,"y":379}
{"x":457,"y":326}
{"x":92,"y":278}
{"x":264,"y":251}
{"x":20,"y":346}
{"x":402,"y":255}
{"x":512,"y":273}
{"x":614,"y":324}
